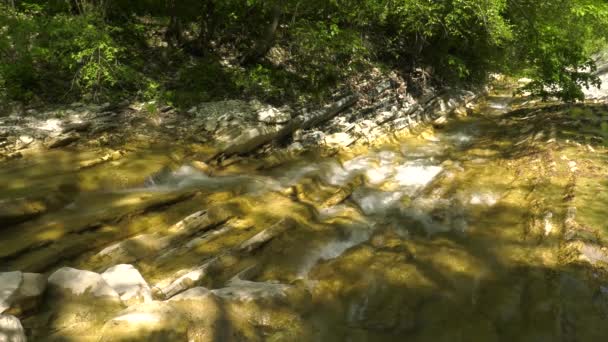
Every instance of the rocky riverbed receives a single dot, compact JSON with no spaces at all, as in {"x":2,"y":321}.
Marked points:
{"x":448,"y":217}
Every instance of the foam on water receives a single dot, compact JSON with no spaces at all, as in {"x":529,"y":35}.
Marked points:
{"x":415,"y":175}
{"x":187,"y":176}
{"x":379,"y":175}
{"x":372,"y":201}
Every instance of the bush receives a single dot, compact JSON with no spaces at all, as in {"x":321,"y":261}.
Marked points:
{"x":60,"y":56}
{"x":324,"y":53}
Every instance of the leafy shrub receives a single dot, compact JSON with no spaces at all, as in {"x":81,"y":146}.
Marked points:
{"x":60,"y":55}
{"x":325,"y":53}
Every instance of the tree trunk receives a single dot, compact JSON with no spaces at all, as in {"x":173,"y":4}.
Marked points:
{"x":207,"y":24}
{"x":264,"y":44}
{"x":174,"y":31}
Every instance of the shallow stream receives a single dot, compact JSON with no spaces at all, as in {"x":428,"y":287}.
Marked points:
{"x":454,"y":235}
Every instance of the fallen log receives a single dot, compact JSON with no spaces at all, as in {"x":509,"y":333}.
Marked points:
{"x":253,"y":137}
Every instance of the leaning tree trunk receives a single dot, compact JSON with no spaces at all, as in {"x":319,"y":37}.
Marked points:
{"x":174,"y":31}
{"x":265,"y":42}
{"x":207,"y":30}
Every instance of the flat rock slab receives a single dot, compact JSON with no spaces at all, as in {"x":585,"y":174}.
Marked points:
{"x":128,"y":283}
{"x":132,"y":249}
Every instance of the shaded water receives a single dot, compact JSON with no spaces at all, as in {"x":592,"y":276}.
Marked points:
{"x":457,"y":237}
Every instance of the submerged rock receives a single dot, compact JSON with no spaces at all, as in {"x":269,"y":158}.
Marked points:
{"x":155,"y":321}
{"x":11,"y":329}
{"x":253,"y":307}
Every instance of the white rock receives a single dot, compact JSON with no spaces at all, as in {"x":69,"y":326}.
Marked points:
{"x":79,"y":282}
{"x":273,"y":115}
{"x":9,"y":285}
{"x":26,"y":139}
{"x":128,"y":283}
{"x":339,"y":139}
{"x":11,"y":329}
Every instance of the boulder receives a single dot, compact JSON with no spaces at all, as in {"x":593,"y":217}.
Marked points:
{"x":71,"y":282}
{"x":20,"y":292}
{"x":11,"y":329}
{"x":128,"y":283}
{"x":80,"y":302}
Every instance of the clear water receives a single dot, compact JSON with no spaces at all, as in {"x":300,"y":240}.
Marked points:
{"x":456,"y":238}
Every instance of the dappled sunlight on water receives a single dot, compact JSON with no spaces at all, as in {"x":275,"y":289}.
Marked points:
{"x":454,"y":238}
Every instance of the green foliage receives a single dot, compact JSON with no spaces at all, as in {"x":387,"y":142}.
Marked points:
{"x":60,"y":55}
{"x":325,"y":53}
{"x":84,"y":46}
{"x":554,"y":42}
{"x":189,"y":51}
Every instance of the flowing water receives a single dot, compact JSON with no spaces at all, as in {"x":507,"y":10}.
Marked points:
{"x":454,"y":237}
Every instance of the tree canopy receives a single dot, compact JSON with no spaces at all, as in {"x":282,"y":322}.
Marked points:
{"x":182,"y":51}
